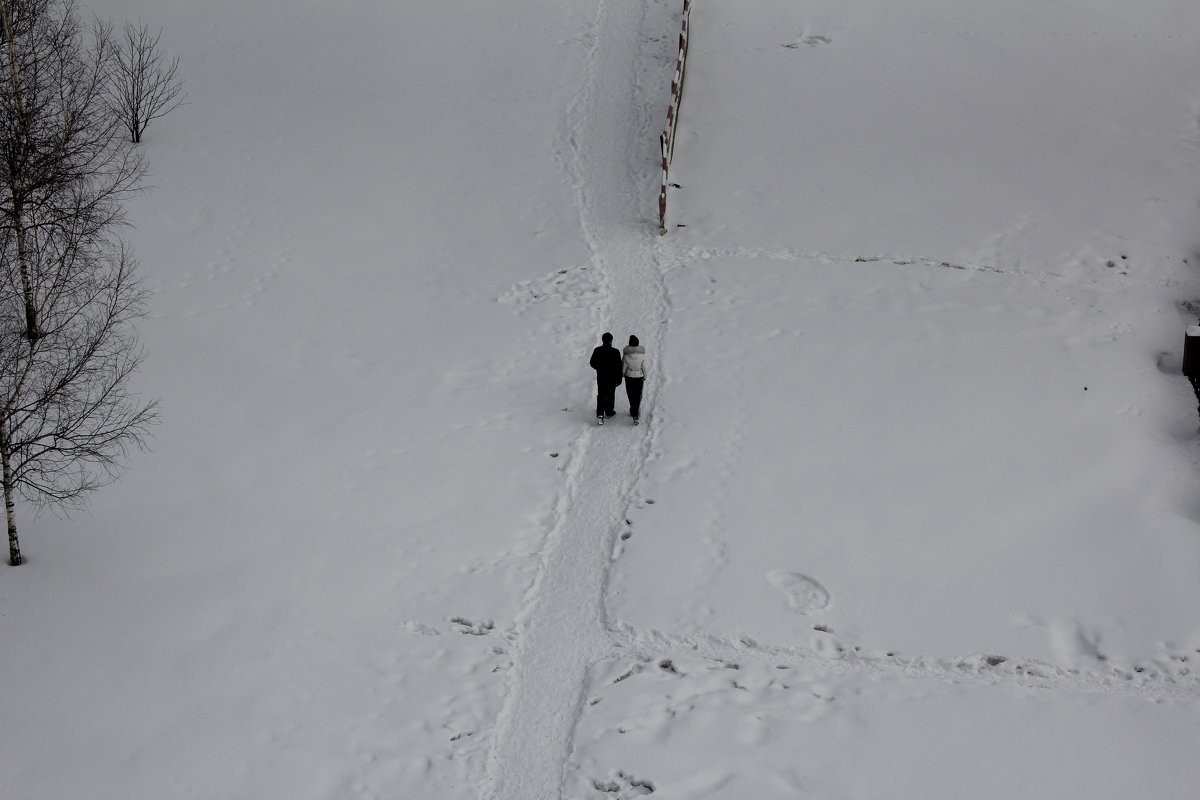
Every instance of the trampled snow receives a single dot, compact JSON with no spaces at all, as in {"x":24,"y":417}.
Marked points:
{"x":911,"y":511}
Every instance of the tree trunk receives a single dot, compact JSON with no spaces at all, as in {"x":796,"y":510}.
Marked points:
{"x":10,"y":509}
{"x":23,"y":256}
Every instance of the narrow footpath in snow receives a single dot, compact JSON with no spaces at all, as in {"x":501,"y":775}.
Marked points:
{"x":609,"y":153}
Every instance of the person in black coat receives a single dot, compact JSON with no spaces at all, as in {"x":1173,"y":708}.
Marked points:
{"x":606,"y":360}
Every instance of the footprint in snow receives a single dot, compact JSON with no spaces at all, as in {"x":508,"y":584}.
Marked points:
{"x":808,"y":41}
{"x":481,"y":628}
{"x":803,"y":593}
{"x":421,"y":629}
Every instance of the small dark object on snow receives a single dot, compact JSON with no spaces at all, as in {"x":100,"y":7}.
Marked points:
{"x":1191,"y":358}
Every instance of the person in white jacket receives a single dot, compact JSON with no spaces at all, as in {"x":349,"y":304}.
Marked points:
{"x":633,"y":359}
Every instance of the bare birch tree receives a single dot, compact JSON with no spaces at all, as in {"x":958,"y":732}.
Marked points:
{"x":68,"y":294}
{"x":63,"y":160}
{"x":143,"y":85}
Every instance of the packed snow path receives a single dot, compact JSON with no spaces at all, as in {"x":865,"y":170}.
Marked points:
{"x":609,"y":154}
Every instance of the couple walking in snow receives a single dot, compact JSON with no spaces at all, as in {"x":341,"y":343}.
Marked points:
{"x":611,"y":367}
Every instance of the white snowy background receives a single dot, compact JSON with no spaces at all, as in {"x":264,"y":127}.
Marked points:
{"x":913,"y":510}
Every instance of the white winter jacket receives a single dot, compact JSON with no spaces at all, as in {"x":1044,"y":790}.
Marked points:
{"x":634,"y":357}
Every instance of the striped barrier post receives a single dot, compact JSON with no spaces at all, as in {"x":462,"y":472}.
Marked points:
{"x":667,"y":140}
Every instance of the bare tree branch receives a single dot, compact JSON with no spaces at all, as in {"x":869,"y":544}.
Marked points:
{"x":143,"y":84}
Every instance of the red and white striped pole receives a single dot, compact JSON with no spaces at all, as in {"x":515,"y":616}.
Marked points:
{"x":667,"y":140}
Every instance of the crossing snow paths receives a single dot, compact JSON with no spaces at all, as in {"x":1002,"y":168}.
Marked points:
{"x":563,"y":631}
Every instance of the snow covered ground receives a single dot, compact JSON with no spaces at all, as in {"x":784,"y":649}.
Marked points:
{"x":912,"y":511}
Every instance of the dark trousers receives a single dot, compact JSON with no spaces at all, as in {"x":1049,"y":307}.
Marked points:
{"x":606,"y":399}
{"x":633,"y":388}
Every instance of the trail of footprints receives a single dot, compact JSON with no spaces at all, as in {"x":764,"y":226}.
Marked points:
{"x":749,"y":665}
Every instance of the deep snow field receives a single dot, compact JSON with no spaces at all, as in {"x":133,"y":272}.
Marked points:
{"x":913,"y":510}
